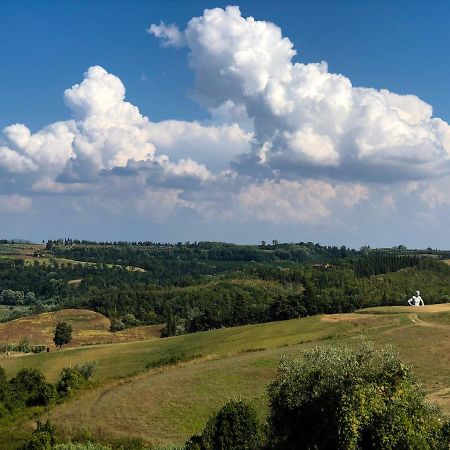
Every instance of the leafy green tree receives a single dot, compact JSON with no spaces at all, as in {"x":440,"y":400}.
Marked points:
{"x":63,"y":334}
{"x":171,"y":325}
{"x":29,"y":388}
{"x":234,"y":427}
{"x":339,"y":398}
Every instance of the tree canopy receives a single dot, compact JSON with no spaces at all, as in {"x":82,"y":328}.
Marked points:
{"x":63,"y":334}
{"x":340,"y":398}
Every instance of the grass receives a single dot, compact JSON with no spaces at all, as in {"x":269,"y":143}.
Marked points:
{"x":125,"y":359}
{"x":164,"y":405}
{"x":25,"y":252}
{"x":4,"y":310}
{"x":89,"y":328}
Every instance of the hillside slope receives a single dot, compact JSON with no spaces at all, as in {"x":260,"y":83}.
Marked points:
{"x":169,"y":404}
{"x":89,"y":328}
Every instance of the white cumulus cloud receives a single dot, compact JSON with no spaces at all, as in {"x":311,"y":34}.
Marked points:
{"x":306,"y":119}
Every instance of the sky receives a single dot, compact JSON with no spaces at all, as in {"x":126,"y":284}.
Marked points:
{"x":196,"y":120}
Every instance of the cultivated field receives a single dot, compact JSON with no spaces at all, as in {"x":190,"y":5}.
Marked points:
{"x":89,"y":328}
{"x":169,"y":404}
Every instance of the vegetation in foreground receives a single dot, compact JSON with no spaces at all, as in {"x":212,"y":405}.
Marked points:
{"x":329,"y":398}
{"x":169,"y":402}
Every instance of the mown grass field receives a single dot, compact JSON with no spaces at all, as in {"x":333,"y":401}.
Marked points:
{"x":169,"y":404}
{"x":88,"y":326}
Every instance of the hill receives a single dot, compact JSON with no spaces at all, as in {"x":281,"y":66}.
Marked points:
{"x":89,"y":328}
{"x":167,"y":404}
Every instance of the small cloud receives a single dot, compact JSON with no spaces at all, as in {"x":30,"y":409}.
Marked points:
{"x":14,"y":203}
{"x":170,"y":34}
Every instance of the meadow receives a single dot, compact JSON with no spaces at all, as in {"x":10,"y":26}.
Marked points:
{"x":165,"y":405}
{"x":89,"y":328}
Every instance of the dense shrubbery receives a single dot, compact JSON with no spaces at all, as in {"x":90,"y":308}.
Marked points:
{"x":344,"y":399}
{"x":43,"y":438}
{"x":23,"y":346}
{"x":171,"y":359}
{"x":30,"y":388}
{"x":81,"y":446}
{"x":72,"y":378}
{"x":334,"y":398}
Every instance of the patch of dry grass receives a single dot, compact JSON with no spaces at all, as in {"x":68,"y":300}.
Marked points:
{"x":89,"y":328}
{"x":169,"y":404}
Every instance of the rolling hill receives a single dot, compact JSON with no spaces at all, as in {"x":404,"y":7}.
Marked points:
{"x":89,"y":328}
{"x":168,"y":404}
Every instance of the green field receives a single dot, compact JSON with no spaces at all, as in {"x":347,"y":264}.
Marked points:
{"x":169,"y":404}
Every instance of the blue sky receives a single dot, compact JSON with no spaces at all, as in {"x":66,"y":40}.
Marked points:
{"x":47,"y":46}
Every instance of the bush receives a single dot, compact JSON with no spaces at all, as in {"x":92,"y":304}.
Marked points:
{"x":170,"y":360}
{"x":70,"y":380}
{"x":24,"y":346}
{"x":129,"y":320}
{"x":234,"y":427}
{"x":116,"y":325}
{"x":43,"y":438}
{"x":87,"y":369}
{"x":29,"y":388}
{"x":338,"y":398}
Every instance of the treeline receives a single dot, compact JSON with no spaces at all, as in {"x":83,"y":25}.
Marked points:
{"x":191,"y":292}
{"x":376,"y":263}
{"x":147,"y":252}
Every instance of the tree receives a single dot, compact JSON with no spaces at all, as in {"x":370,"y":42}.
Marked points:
{"x":339,"y":398}
{"x":171,"y":325}
{"x":30,"y":388}
{"x":234,"y":427}
{"x":63,"y":334}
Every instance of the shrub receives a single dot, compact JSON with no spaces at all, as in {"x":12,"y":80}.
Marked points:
{"x":81,"y":446}
{"x":29,"y":388}
{"x":195,"y":443}
{"x":70,"y":379}
{"x":24,"y":346}
{"x":116,"y":325}
{"x":43,"y":438}
{"x":129,"y":320}
{"x":38,"y":348}
{"x":234,"y":427}
{"x":170,"y":360}
{"x":87,"y":369}
{"x":338,"y":398}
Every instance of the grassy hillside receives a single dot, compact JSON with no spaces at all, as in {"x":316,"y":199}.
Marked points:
{"x":89,"y":328}
{"x":167,"y":405}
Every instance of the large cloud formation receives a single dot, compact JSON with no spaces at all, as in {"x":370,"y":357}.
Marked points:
{"x":286,"y":143}
{"x":306,"y":119}
{"x":106,"y":132}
